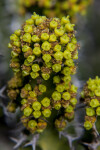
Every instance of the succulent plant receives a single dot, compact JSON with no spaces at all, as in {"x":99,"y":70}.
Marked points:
{"x":41,"y":92}
{"x":42,"y":59}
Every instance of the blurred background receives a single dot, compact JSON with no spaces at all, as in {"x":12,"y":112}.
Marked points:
{"x":88,"y":34}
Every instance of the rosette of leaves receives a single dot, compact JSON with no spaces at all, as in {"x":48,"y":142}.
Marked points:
{"x":56,"y":8}
{"x":91,"y":97}
{"x":42,"y":59}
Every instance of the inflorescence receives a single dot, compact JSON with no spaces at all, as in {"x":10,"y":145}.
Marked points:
{"x":42,"y":59}
{"x":91,"y":96}
{"x":56,"y":8}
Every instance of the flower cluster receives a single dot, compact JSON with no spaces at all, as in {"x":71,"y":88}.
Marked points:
{"x":42,"y":59}
{"x":57,"y":8}
{"x":69,"y":7}
{"x":91,"y":96}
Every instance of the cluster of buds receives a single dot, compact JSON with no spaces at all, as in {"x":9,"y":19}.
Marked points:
{"x":56,"y":8}
{"x":91,"y":96}
{"x":43,"y":54}
{"x":14,"y":86}
{"x":69,"y":7}
{"x":40,"y":3}
{"x":27,"y":5}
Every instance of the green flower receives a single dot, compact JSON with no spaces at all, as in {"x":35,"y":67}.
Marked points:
{"x":94,"y":103}
{"x":59,"y":32}
{"x":32,"y":124}
{"x":36,"y":114}
{"x":28,"y":87}
{"x":64,"y":39}
{"x":18,"y":32}
{"x":27,"y":111}
{"x":42,"y":88}
{"x":46,"y":113}
{"x":37,"y":51}
{"x":23,"y":101}
{"x":66,"y":79}
{"x":28,"y":28}
{"x":69,"y":27}
{"x":52,"y":38}
{"x":45,"y":76}
{"x":45,"y":36}
{"x":38,"y":21}
{"x":30,"y":21}
{"x":56,"y":79}
{"x":65,"y":20}
{"x":71,"y":47}
{"x":34,"y":16}
{"x":27,"y":37}
{"x":73,"y":88}
{"x":36,"y":105}
{"x":32,"y":93}
{"x":35,"y":68}
{"x":90,"y":111}
{"x":13,"y":37}
{"x":57,"y":106}
{"x":66,"y":71}
{"x":46,"y":46}
{"x":25,"y":48}
{"x":69,"y":109}
{"x":56,"y":67}
{"x":30,"y":58}
{"x":97,"y":92}
{"x":53,"y":24}
{"x":56,"y":96}
{"x":58,"y":55}
{"x":34,"y":75}
{"x":66,"y":96}
{"x":45,"y":102}
{"x":35,"y":38}
{"x":73,"y":101}
{"x":57,"y":47}
{"x":60,"y":87}
{"x":87,"y":125}
{"x":46,"y":57}
{"x":98,"y":111}
{"x":69,"y":62}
